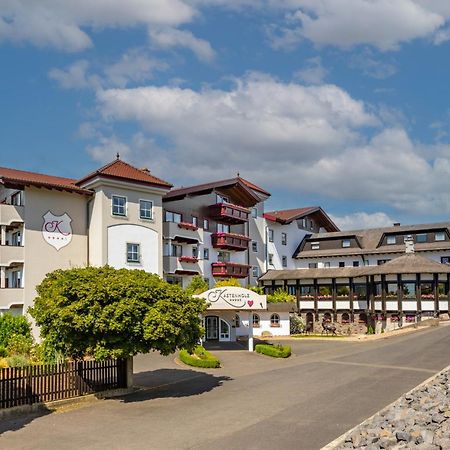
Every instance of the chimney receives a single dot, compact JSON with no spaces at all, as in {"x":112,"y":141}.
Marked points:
{"x":396,"y":224}
{"x":145,"y":170}
{"x":409,"y":243}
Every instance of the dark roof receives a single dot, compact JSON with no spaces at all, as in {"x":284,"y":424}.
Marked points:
{"x":301,"y":274}
{"x":288,"y":215}
{"x":369,"y":241}
{"x":121,"y":170}
{"x":235,"y":186}
{"x":255,"y":187}
{"x":21,"y":178}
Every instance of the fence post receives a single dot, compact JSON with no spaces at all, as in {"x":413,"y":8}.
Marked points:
{"x":129,"y":372}
{"x":28,"y":390}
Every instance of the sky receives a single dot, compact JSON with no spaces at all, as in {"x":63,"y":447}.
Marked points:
{"x":337,"y":103}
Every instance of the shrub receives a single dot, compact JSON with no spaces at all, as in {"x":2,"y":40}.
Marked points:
{"x":281,"y":296}
{"x":229,"y":282}
{"x":370,"y":329}
{"x":46,"y":353}
{"x":18,"y":361}
{"x":266,"y":334}
{"x":296,"y":324}
{"x":13,"y":325}
{"x":258,"y":289}
{"x":19,"y":344}
{"x":3,"y":363}
{"x":276,"y":351}
{"x":198,"y":285}
{"x":3,"y":352}
{"x":200,"y":358}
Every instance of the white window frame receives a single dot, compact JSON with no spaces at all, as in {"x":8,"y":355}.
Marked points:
{"x":439,"y":233}
{"x":146,"y":209}
{"x":275,"y":320}
{"x":206,"y":224}
{"x":166,"y":213}
{"x":421,"y":241}
{"x":125,"y":206}
{"x":346,"y":243}
{"x":391,"y":240}
{"x":138,"y":253}
{"x":254,"y":213}
{"x":206,"y":253}
{"x":315,"y":245}
{"x":271,"y":234}
{"x":270,"y":257}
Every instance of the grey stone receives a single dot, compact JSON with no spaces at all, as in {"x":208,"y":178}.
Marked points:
{"x":403,"y":436}
{"x":437,"y":418}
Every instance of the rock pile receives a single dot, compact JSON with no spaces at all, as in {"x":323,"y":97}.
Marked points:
{"x":418,"y":420}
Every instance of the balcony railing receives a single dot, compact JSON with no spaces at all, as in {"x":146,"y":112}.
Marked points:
{"x":230,"y":241}
{"x":227,"y":212}
{"x":181,"y":265}
{"x":181,"y":232}
{"x":229,"y":270}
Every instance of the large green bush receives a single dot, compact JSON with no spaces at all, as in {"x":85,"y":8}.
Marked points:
{"x":198,"y":285}
{"x":11,"y":326}
{"x":281,"y":296}
{"x":276,"y":351}
{"x":200,"y":358}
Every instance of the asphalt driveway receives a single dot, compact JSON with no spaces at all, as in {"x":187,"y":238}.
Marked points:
{"x":252,"y":402}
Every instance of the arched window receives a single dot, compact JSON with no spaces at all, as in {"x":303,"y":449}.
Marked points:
{"x":327,"y":317}
{"x":362,"y":318}
{"x":237,"y":321}
{"x":345,"y":318}
{"x":274,"y":320}
{"x":255,"y":320}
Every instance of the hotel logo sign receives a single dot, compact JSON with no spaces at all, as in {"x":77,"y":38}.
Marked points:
{"x":234,"y":298}
{"x":56,"y":230}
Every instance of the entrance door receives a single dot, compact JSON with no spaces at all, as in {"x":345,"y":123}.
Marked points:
{"x":212,"y":328}
{"x":224,"y":331}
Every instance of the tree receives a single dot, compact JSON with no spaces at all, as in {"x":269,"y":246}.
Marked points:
{"x":105,"y":312}
{"x":197,"y":285}
{"x":228,"y":282}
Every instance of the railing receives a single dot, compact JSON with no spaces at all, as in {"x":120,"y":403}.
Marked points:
{"x":181,"y":233}
{"x":228,"y":269}
{"x":45,"y":383}
{"x":230,"y":241}
{"x":227,"y":212}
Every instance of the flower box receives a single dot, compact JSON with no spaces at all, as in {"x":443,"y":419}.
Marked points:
{"x":187,"y":226}
{"x":191,"y":259}
{"x":324,"y":297}
{"x":427,"y":296}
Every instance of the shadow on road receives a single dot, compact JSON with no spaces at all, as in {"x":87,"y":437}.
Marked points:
{"x":166,"y":383}
{"x":17,"y":422}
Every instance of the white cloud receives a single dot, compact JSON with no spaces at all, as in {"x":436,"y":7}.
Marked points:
{"x":305,"y":139}
{"x":75,"y":76}
{"x":372,"y":66}
{"x":171,"y":37}
{"x":362,"y":220}
{"x":313,"y":72}
{"x":107,"y":149}
{"x":384,"y":24}
{"x":63,"y":24}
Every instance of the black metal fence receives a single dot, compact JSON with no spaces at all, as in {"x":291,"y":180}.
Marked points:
{"x":49,"y":382}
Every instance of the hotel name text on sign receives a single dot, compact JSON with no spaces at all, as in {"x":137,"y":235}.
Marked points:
{"x":234,"y":298}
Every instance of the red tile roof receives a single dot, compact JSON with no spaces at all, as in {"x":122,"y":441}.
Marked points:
{"x":22,"y":177}
{"x":119,"y":169}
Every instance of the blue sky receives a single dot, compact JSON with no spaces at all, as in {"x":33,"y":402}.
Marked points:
{"x":342,"y":103}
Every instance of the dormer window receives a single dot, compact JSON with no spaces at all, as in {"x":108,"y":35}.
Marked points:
{"x":422,"y":237}
{"x":345,"y":243}
{"x":439,"y":236}
{"x":391,"y":240}
{"x":315,"y":245}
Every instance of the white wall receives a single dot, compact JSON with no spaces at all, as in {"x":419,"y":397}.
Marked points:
{"x":282,"y":330}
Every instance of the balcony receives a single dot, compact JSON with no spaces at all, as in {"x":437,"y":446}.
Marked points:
{"x":229,"y":270}
{"x":10,"y":254}
{"x":10,"y":297}
{"x":230,"y":241}
{"x":181,"y":265}
{"x":181,"y":232}
{"x":229,"y":213}
{"x":10,"y":214}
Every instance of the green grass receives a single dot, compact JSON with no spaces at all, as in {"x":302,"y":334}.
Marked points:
{"x":276,"y":351}
{"x":200,"y":358}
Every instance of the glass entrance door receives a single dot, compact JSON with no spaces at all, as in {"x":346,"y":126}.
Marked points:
{"x":212,"y":328}
{"x":224,"y":331}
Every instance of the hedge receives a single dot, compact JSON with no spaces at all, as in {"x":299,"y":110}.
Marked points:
{"x":200,"y":358}
{"x":277,"y":351}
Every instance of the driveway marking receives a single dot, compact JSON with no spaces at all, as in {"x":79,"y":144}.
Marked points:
{"x":380,"y":366}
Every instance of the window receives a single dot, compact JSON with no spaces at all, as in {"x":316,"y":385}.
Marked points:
{"x":409,"y":290}
{"x":422,"y":237}
{"x":223,"y":257}
{"x":307,"y":291}
{"x":380,"y":262}
{"x":205,"y":224}
{"x":195,"y":252}
{"x":326,"y":264}
{"x":283,"y":239}
{"x":16,"y":279}
{"x":391,"y":240}
{"x":255,"y":271}
{"x":254,"y":213}
{"x":439,"y":236}
{"x":172,"y":217}
{"x":315,"y":246}
{"x":195,"y":221}
{"x":145,"y":209}
{"x":254,"y":246}
{"x":270,"y":259}
{"x":311,"y":225}
{"x":174,"y":280}
{"x":221,"y":199}
{"x":206,"y":253}
{"x":119,"y":206}
{"x":176,"y":250}
{"x":302,"y":223}
{"x":270,"y":235}
{"x":445,"y":259}
{"x":341,"y":263}
{"x":360,"y":291}
{"x":391,"y":290}
{"x":16,"y":199}
{"x":284,"y":261}
{"x":133,"y":255}
{"x":15,"y":238}
{"x":312,"y":266}
{"x":256,"y":320}
{"x":355,"y":263}
{"x":345,"y":318}
{"x":345,"y":243}
{"x":223,"y":228}
{"x":274,"y":320}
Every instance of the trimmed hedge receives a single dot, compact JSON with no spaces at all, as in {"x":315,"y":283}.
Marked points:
{"x":277,"y":351}
{"x":200,"y":358}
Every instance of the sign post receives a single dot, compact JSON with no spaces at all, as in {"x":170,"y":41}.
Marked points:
{"x":250,"y":331}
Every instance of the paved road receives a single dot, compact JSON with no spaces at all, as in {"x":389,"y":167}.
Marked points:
{"x":253,"y":402}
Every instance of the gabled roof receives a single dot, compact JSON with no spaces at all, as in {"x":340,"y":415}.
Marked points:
{"x":21,"y":178}
{"x":234,"y":186}
{"x":120,"y":170}
{"x":255,"y":187}
{"x":285,"y":216}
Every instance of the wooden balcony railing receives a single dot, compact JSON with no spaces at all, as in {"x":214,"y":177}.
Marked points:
{"x":227,"y":212}
{"x":230,"y":241}
{"x":229,"y":270}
